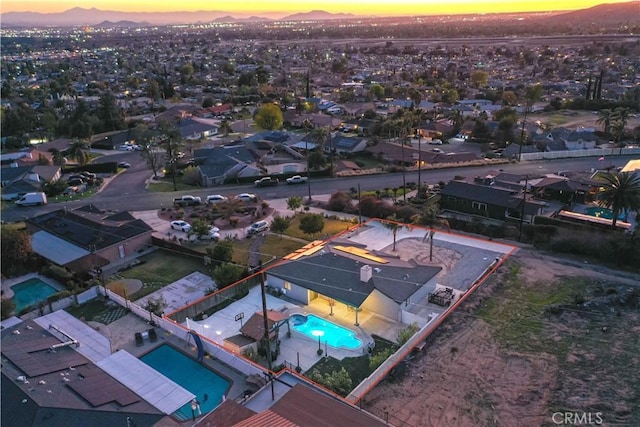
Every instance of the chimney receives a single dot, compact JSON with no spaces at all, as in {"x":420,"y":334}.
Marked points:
{"x":365,"y":273}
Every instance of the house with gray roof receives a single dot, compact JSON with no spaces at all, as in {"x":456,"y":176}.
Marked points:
{"x":348,"y":144}
{"x":488,"y":201}
{"x":88,"y":238}
{"x":17,"y":181}
{"x":219,"y":164}
{"x":374,"y":283}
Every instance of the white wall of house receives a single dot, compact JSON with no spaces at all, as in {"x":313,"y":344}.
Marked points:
{"x":382,"y":305}
{"x":293,"y":291}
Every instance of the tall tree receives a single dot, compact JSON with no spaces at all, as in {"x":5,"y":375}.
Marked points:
{"x":109,"y":113}
{"x":269,"y":117}
{"x":604,"y":119}
{"x":17,"y":254}
{"x":392,"y":224}
{"x":620,"y":117}
{"x":280,"y":224}
{"x":78,"y":150}
{"x":621,"y":194}
{"x":170,"y":137}
{"x":311,"y":224}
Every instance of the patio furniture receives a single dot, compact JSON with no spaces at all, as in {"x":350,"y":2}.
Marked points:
{"x":139,"y":339}
{"x":153,"y":337}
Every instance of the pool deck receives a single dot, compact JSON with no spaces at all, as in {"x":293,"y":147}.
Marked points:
{"x":7,"y":284}
{"x":122,"y":336}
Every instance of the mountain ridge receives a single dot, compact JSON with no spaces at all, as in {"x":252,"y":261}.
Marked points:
{"x":78,"y":16}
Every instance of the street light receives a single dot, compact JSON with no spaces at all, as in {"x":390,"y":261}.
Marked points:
{"x":319,"y":334}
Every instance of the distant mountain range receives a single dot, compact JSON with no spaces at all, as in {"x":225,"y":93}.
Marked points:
{"x":606,"y":13}
{"x":79,"y":16}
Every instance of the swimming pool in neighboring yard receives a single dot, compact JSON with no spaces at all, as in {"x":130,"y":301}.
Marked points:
{"x":601,"y":213}
{"x":31,"y":292}
{"x":334,"y":335}
{"x":191,"y":375}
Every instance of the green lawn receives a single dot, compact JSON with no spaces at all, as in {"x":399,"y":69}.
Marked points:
{"x":331,"y":227}
{"x":166,"y":185}
{"x":161,"y":268}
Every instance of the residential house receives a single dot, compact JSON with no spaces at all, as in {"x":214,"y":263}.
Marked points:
{"x":300,"y":405}
{"x":356,"y":278}
{"x":194,"y":130}
{"x":564,"y":189}
{"x":219,"y":164}
{"x":347,"y":144}
{"x":111,"y":140}
{"x":57,"y":370}
{"x":17,"y":181}
{"x":88,"y":238}
{"x":488,"y":201}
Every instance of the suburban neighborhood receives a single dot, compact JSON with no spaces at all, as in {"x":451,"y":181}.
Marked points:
{"x":205,"y":226}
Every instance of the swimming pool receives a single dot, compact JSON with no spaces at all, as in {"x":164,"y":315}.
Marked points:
{"x":208,"y":386}
{"x":601,"y":213}
{"x":31,"y":292}
{"x":334,"y":335}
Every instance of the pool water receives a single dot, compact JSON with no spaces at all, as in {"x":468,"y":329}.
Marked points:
{"x":31,"y":292}
{"x":334,"y":335}
{"x":601,"y":213}
{"x":191,"y":375}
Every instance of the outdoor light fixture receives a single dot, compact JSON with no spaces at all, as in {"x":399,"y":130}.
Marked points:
{"x":319,"y":334}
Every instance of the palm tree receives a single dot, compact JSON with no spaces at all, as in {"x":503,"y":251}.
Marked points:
{"x":621,"y":193}
{"x":393,"y":225}
{"x":620,"y":116}
{"x":606,"y":116}
{"x":78,"y":151}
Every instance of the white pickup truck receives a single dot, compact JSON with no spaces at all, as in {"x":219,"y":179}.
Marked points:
{"x":187,"y":201}
{"x":297,"y":179}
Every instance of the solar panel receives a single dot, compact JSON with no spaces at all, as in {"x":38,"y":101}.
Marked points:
{"x":98,"y":388}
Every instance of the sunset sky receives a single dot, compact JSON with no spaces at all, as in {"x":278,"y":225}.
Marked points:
{"x":284,"y":7}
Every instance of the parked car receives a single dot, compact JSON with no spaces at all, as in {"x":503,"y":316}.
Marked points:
{"x":125,"y":147}
{"x":75,"y":181}
{"x":187,"y":201}
{"x":180,"y":225}
{"x":124,"y":165}
{"x":297,"y":179}
{"x":214,"y":234}
{"x":435,"y":142}
{"x":267,"y":181}
{"x":247,"y":197}
{"x":437,"y":150}
{"x":257,"y":227}
{"x":215,"y":198}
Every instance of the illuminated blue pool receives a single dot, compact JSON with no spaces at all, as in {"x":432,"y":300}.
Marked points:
{"x":334,"y":335}
{"x":30,"y":293}
{"x":208,"y":386}
{"x":601,"y":213}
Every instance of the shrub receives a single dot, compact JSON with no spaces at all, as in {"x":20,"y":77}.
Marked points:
{"x":379,"y":358}
{"x":7,"y":307}
{"x":405,"y":334}
{"x":340,"y":201}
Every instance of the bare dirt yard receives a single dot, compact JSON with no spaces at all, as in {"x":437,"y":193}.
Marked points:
{"x":540,"y":337}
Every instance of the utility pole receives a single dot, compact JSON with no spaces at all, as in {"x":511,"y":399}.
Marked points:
{"x":524,"y":200}
{"x":267,"y":338}
{"x":359,"y":206}
{"x":306,"y":144}
{"x":419,"y":160}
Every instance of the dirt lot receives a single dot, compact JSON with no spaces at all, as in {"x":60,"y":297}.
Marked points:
{"x":539,"y":337}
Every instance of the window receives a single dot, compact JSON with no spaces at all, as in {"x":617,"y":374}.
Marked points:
{"x":479,"y":206}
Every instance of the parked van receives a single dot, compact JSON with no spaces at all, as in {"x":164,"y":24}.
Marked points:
{"x":32,"y":199}
{"x":258,"y":227}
